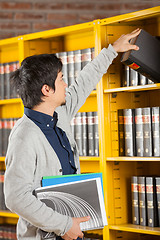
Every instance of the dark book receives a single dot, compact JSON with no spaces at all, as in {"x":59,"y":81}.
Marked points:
{"x":126,"y":77}
{"x":151,"y":202}
{"x":12,"y":68}
{"x":133,"y":77}
{"x":84,"y":134}
{"x":155,"y":131}
{"x":121,"y":133}
{"x":77,"y":199}
{"x":142,"y":79}
{"x":6,"y":81}
{"x":86,"y":56}
{"x":70,"y":67}
{"x":2,"y":201}
{"x":147,"y":134}
{"x":1,"y":81}
{"x":142,"y":200}
{"x":96,"y":133}
{"x":90,"y":135}
{"x":63,"y":57}
{"x":135,"y":200}
{"x":1,"y":138}
{"x":146,"y":59}
{"x":129,"y":132}
{"x":78,"y":132}
{"x":77,"y":63}
{"x":157,"y":179}
{"x":139,"y":132}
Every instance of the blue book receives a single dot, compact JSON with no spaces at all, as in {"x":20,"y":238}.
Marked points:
{"x":54,"y":180}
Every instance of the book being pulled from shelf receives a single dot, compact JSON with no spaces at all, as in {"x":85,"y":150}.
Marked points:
{"x":78,"y":198}
{"x":146,"y":59}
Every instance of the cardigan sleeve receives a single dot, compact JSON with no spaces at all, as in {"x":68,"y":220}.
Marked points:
{"x":87,"y":80}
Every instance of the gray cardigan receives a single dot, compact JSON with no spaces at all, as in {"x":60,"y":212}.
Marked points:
{"x":30,"y":157}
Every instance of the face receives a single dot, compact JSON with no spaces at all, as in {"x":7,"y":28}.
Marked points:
{"x":60,"y":90}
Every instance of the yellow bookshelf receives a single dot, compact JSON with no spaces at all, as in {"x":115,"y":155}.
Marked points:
{"x":106,"y":100}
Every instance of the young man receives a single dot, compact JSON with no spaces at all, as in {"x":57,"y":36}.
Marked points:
{"x":41,"y":142}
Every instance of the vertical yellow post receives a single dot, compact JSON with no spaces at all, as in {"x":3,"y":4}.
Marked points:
{"x":100,"y":104}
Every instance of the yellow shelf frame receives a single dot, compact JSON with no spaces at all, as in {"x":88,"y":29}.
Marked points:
{"x":101,"y":31}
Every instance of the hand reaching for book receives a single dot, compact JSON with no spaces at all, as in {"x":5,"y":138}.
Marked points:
{"x":74,"y":232}
{"x":122,"y":44}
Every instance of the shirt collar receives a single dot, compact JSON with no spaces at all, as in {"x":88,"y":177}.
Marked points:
{"x":42,"y":118}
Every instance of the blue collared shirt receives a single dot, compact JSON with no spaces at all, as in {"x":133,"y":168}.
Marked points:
{"x":56,"y":137}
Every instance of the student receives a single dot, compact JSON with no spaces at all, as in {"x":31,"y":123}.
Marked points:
{"x":41,"y":142}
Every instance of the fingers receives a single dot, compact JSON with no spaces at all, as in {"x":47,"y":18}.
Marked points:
{"x":83,"y":219}
{"x":134,"y":33}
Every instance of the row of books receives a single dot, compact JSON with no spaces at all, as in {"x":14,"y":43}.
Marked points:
{"x":139,"y":132}
{"x":6,"y":125}
{"x":85,"y":129}
{"x":134,"y":78}
{"x":145,"y":200}
{"x":6,"y":90}
{"x":74,"y":62}
{"x":8,"y":232}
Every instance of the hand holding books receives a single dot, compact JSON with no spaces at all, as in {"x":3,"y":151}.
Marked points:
{"x":75,"y":231}
{"x":122,"y":44}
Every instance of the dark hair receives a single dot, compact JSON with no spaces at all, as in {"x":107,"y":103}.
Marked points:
{"x":35,"y":71}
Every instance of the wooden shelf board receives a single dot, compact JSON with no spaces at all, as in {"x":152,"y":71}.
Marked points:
{"x":8,"y":214}
{"x":134,"y":88}
{"x":10,"y":101}
{"x":2,"y":159}
{"x":120,"y":159}
{"x":136,"y":229}
{"x":89,"y":158}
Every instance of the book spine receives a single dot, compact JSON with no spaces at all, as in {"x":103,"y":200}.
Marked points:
{"x":147,"y":137}
{"x":70,"y":60}
{"x":84,"y":134}
{"x":13,"y":67}
{"x":78,"y":132}
{"x":126,"y":76}
{"x":86,"y":56}
{"x":129,"y":132}
{"x":92,"y":53}
{"x":77,"y":63}
{"x":157,"y":179}
{"x":151,"y":202}
{"x":135,"y":200}
{"x":155,"y":131}
{"x":121,"y":133}
{"x":139,"y":132}
{"x":133,"y":77}
{"x":1,"y":81}
{"x":142,"y":79}
{"x":96,"y":133}
{"x":90,"y":134}
{"x":6,"y":81}
{"x":63,"y":57}
{"x":2,"y":201}
{"x":142,"y":200}
{"x":1,"y":138}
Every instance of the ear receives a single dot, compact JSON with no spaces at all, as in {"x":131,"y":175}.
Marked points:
{"x":45,"y":90}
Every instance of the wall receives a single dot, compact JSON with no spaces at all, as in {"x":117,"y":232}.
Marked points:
{"x":26,"y":16}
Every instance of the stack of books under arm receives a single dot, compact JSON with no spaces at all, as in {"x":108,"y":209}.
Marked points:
{"x":8,"y":232}
{"x":139,"y":132}
{"x":74,"y":62}
{"x":145,"y":192}
{"x":85,"y":130}
{"x":6,"y":125}
{"x":145,"y":61}
{"x":76,"y":195}
{"x":6,"y":90}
